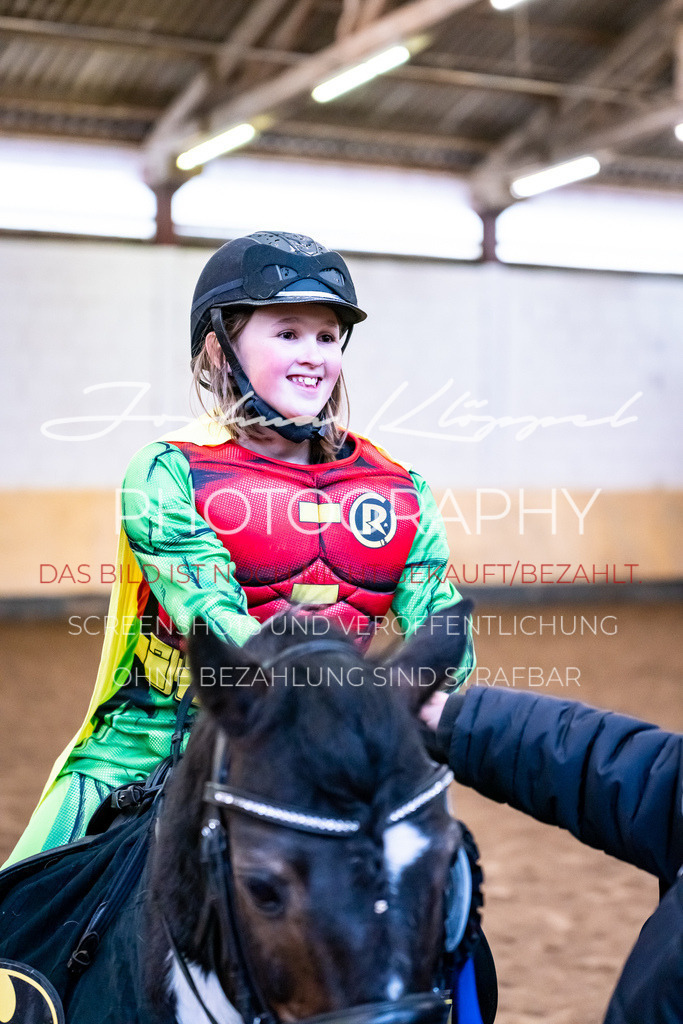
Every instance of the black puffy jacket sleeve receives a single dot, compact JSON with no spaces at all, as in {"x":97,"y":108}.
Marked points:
{"x":615,"y":782}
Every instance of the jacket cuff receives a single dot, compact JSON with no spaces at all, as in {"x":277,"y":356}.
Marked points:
{"x":444,"y":730}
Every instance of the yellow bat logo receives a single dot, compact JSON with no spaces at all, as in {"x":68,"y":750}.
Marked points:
{"x":27,"y":997}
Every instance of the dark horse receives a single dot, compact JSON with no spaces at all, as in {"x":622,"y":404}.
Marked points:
{"x":299,"y":861}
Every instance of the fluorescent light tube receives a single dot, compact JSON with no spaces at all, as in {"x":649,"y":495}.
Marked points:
{"x":678,"y":132}
{"x":502,"y":5}
{"x":219,"y":144}
{"x":553,"y":177}
{"x":361,"y":73}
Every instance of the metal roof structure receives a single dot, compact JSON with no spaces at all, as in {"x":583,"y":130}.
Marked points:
{"x":487,"y":93}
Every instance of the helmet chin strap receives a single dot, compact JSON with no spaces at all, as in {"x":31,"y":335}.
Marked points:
{"x":253,"y":405}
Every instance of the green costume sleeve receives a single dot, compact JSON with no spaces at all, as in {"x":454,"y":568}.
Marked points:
{"x":424,"y":588}
{"x":186,"y":565}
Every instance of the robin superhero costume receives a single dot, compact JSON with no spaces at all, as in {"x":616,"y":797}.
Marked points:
{"x":212,"y":529}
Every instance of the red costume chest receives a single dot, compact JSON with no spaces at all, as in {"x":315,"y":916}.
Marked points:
{"x":334,"y":537}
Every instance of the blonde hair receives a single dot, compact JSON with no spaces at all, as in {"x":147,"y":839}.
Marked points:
{"x":227,"y":400}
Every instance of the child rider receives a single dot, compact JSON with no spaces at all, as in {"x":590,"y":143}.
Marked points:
{"x":267,"y":501}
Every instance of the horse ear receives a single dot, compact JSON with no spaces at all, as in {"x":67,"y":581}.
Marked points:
{"x":432,"y":654}
{"x":230,"y":684}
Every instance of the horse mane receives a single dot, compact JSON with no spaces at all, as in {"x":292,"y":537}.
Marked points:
{"x":177,"y":887}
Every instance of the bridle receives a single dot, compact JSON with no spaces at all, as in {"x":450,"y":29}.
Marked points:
{"x":219,"y":794}
{"x":216,"y":861}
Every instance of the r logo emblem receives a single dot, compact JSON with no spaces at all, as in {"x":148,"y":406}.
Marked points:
{"x":372,"y":520}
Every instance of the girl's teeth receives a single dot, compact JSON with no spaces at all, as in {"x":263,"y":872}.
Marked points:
{"x":310,"y":381}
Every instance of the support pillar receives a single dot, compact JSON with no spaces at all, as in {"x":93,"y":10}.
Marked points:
{"x":164,"y":179}
{"x":165,"y":232}
{"x":488,"y":249}
{"x":489,"y":196}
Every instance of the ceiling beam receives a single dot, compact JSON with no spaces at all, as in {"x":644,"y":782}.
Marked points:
{"x":347,"y":22}
{"x":646,"y":36}
{"x":658,"y":117}
{"x":268,"y":97}
{"x":104,"y":36}
{"x":678,"y":62}
{"x":489,"y":180}
{"x":372,"y":9}
{"x":127,"y":39}
{"x":667,"y":169}
{"x":633,"y":179}
{"x":513,"y":83}
{"x":56,"y":106}
{"x":483,"y":15}
{"x":42,"y":134}
{"x":282,"y":35}
{"x":138,"y":39}
{"x":288,"y":27}
{"x":367,"y":154}
{"x":353,"y":133}
{"x":259,"y":16}
{"x":394,"y":27}
{"x":539,"y":30}
{"x":355,"y":14}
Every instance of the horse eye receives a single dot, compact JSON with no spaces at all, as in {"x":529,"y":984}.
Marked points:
{"x":268,"y":894}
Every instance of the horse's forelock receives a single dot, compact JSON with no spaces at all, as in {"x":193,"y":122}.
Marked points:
{"x":327,"y":724}
{"x":341,"y":738}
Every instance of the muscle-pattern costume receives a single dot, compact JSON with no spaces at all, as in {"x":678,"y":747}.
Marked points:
{"x":212,"y":529}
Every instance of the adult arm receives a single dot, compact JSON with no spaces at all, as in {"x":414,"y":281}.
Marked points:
{"x":187,"y":567}
{"x":650,"y":989}
{"x":424,"y":587}
{"x":614,"y":782}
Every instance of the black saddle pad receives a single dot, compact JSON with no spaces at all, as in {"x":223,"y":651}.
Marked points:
{"x":47,"y":901}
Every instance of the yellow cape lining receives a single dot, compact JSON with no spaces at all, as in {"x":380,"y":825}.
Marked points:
{"x":122,"y":612}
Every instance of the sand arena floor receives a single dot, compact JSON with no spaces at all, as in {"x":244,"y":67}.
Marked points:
{"x":560,"y":917}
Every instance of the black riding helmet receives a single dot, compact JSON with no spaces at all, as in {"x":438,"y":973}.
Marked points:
{"x":263,"y":269}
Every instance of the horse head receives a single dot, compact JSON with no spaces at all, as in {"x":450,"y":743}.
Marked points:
{"x":305,"y":845}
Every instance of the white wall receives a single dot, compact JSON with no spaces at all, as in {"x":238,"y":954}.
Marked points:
{"x":540,"y":343}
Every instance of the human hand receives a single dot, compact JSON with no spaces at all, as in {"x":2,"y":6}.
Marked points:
{"x":430,"y":713}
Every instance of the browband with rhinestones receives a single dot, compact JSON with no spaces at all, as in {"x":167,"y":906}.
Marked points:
{"x":227,"y":796}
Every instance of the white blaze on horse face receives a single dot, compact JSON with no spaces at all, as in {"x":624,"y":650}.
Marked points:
{"x":403,"y":844}
{"x":188,"y":1009}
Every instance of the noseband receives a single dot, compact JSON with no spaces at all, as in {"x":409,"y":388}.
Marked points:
{"x":424,"y":1008}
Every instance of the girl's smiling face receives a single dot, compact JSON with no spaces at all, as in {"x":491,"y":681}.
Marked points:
{"x":291,"y":353}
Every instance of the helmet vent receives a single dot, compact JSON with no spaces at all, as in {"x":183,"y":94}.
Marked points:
{"x":332,"y":276}
{"x":275,"y":272}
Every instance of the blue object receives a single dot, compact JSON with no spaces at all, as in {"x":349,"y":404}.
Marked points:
{"x":466,"y":1000}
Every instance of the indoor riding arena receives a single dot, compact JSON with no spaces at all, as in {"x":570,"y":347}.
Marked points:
{"x":521,"y":353}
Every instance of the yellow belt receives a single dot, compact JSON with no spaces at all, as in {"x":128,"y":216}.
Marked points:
{"x":165,"y":667}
